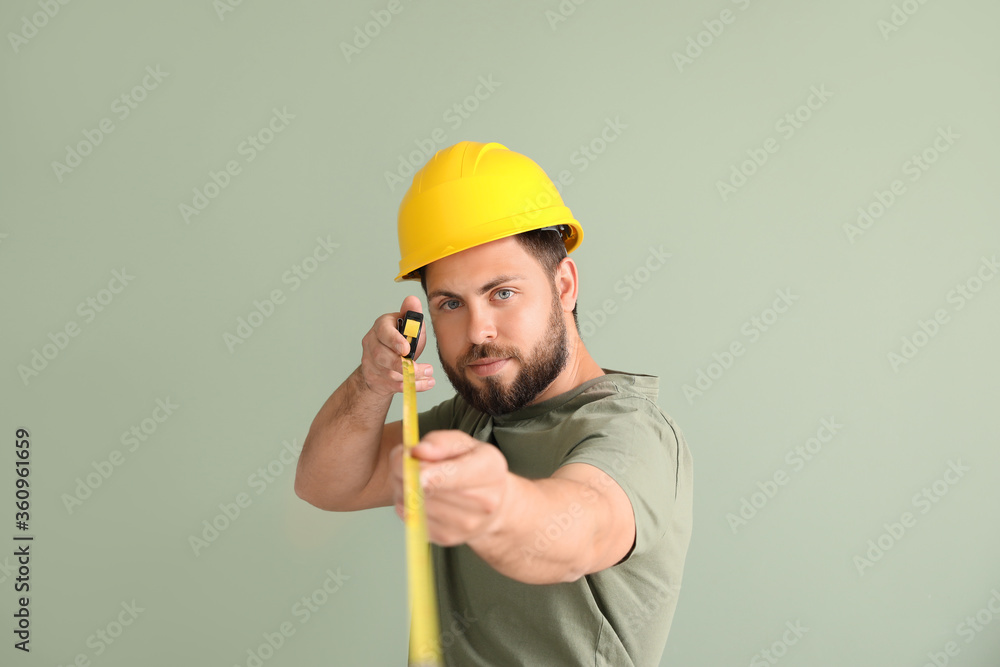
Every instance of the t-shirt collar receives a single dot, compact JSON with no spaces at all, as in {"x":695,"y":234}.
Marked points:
{"x":648,"y":385}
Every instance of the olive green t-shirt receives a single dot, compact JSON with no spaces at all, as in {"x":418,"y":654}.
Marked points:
{"x":618,"y":617}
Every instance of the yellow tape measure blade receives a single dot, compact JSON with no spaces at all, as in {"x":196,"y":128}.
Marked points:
{"x":424,"y":649}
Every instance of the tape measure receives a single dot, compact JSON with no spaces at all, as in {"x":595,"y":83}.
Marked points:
{"x":425,"y":648}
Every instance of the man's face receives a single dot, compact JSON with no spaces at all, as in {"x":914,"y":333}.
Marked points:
{"x":499,"y":323}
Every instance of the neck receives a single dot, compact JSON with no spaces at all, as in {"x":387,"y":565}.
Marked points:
{"x":580,"y":367}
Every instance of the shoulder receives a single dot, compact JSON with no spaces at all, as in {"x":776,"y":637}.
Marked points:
{"x":619,"y":392}
{"x":624,"y":407}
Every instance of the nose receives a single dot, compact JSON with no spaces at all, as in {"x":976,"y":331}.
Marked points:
{"x":482,"y":328}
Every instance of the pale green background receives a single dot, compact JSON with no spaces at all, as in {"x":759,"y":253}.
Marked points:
{"x":655,"y":185}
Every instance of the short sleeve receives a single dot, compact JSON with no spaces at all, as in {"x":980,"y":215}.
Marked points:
{"x":637,"y":446}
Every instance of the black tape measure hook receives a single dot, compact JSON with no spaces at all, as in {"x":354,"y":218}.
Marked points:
{"x":410,"y":327}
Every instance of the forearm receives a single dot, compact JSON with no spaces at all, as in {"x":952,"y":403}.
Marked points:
{"x":341,"y":450}
{"x":546,"y":531}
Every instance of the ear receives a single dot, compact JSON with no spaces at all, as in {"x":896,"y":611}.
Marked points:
{"x":567,"y":284}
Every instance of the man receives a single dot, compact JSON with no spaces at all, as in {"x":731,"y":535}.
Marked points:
{"x":558,"y":495}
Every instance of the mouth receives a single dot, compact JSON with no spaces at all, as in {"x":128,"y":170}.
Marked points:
{"x":488,"y":366}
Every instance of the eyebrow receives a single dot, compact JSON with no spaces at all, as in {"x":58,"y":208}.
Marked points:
{"x":482,"y":290}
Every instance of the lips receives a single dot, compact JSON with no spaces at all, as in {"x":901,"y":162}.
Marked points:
{"x":488,"y":366}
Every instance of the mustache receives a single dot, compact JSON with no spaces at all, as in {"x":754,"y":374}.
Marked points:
{"x":477,"y":352}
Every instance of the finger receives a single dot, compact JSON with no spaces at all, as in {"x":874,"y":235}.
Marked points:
{"x":445,"y":444}
{"x":392,"y":374}
{"x":434,"y":476}
{"x":384,"y":334}
{"x":449,"y":511}
{"x":386,"y":354}
{"x":377,"y":380}
{"x":450,"y":530}
{"x":483,"y":471}
{"x":389,"y":336}
{"x":379,"y":362}
{"x":424,"y":375}
{"x":457,"y":478}
{"x":467,"y":515}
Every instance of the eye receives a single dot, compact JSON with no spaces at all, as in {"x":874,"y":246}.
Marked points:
{"x":509,"y":293}
{"x":450,"y":304}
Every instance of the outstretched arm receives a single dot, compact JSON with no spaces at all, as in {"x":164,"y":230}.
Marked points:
{"x":543,"y":531}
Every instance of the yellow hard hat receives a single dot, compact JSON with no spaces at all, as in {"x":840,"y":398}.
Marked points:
{"x":473,"y":193}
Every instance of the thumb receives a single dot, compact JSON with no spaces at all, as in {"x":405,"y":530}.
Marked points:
{"x":410,"y":303}
{"x":442,"y":445}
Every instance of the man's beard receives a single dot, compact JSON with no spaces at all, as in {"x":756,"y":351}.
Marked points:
{"x":537,"y":372}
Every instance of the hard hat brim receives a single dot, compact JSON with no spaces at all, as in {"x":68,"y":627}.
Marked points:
{"x":572,"y":238}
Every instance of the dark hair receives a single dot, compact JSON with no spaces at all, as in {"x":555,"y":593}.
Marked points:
{"x":545,"y":245}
